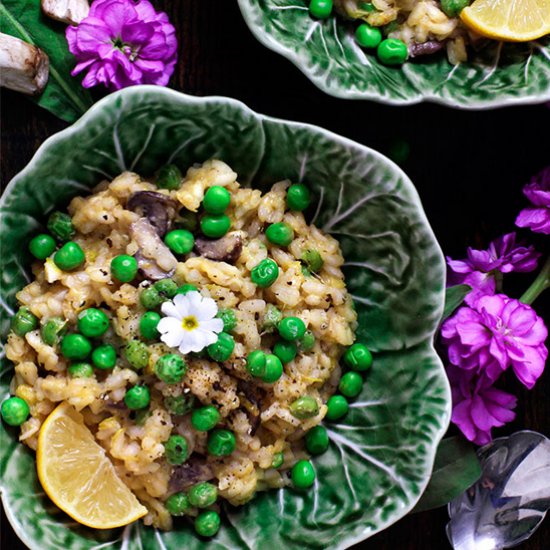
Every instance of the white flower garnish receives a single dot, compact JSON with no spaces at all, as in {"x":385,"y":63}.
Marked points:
{"x":190,"y":323}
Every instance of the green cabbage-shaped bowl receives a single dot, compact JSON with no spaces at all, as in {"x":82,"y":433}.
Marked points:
{"x":380,"y":457}
{"x":327,"y":53}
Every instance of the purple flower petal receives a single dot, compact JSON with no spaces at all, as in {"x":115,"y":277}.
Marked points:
{"x":477,"y":406}
{"x":122,"y":43}
{"x":493,"y":334}
{"x":538,"y":192}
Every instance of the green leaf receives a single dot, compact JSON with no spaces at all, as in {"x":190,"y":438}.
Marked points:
{"x":64,"y":95}
{"x":454,"y":296}
{"x":381,"y":455}
{"x":327,"y":53}
{"x":456,"y":468}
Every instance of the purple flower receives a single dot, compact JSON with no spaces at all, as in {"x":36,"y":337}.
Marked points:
{"x":122,"y":43}
{"x":478,"y":407}
{"x":497,"y":332}
{"x":537,"y":217}
{"x":478,"y":269}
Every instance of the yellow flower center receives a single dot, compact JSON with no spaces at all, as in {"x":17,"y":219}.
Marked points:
{"x":189,"y":323}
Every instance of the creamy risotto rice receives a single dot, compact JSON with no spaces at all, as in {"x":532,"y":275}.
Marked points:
{"x":131,"y":216}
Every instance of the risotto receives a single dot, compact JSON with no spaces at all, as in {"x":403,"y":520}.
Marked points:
{"x":197,"y":326}
{"x":423,"y":26}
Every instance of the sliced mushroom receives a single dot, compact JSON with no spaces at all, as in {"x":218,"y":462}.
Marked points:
{"x":23,"y":67}
{"x":159,"y":209}
{"x":227,"y":249}
{"x":251,"y":397}
{"x":153,"y":257}
{"x":191,"y":472}
{"x":71,"y":12}
{"x":426,"y":48}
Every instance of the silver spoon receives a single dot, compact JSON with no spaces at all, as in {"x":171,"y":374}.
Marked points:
{"x":511,"y":498}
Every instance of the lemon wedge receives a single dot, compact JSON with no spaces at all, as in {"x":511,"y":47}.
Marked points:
{"x":78,"y":476}
{"x":509,"y":20}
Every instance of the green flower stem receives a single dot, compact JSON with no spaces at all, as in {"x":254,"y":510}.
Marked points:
{"x":499,"y":277}
{"x":541,"y":283}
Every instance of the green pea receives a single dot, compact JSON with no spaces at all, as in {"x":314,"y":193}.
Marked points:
{"x":392,"y":51}
{"x":92,"y":322}
{"x":278,"y":460}
{"x":358,"y":357}
{"x":137,"y":354}
{"x":187,"y":220}
{"x":367,"y":6}
{"x":392,"y":26}
{"x":124,"y":268}
{"x":166,"y":288}
{"x":285,"y":351}
{"x":292,"y":328}
{"x":280,"y":234}
{"x":176,"y":449}
{"x":69,"y":257}
{"x":273,"y":369}
{"x":207,"y":523}
{"x":184,"y":289}
{"x":14,"y":411}
{"x":169,"y":177}
{"x":452,"y":8}
{"x":351,"y":384}
{"x":302,"y":474}
{"x":255,"y":363}
{"x":221,"y":443}
{"x":317,"y":440}
{"x":81,"y":370}
{"x":150,"y":298}
{"x":61,"y":226}
{"x":23,"y":321}
{"x":368,"y":36}
{"x":148,"y":325}
{"x":180,"y":241}
{"x":216,"y":199}
{"x":42,"y":246}
{"x":304,"y":407}
{"x":141,"y":416}
{"x":104,"y":357}
{"x":52,"y":330}
{"x":137,"y":397}
{"x":337,"y":407}
{"x":205,"y":418}
{"x":298,"y":197}
{"x":215,"y":226}
{"x":272,"y":318}
{"x":170,"y":368}
{"x":312,"y":259}
{"x":222,"y":349}
{"x":75,"y":347}
{"x":307,"y":342}
{"x":178,"y":405}
{"x":321,"y":9}
{"x":229,"y":318}
{"x":265,"y":273}
{"x":305,"y":271}
{"x":177,"y":504}
{"x":203,"y":495}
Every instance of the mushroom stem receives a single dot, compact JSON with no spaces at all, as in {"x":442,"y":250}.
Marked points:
{"x":23,"y":67}
{"x":67,"y":11}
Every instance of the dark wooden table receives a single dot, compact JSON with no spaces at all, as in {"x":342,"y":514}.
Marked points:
{"x":468,"y":167}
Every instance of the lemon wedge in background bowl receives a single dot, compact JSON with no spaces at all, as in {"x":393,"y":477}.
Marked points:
{"x":78,"y":476}
{"x":508,"y":20}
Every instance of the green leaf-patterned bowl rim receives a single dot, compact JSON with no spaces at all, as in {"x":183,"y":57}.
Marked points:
{"x":326,"y":52}
{"x":381,"y":455}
